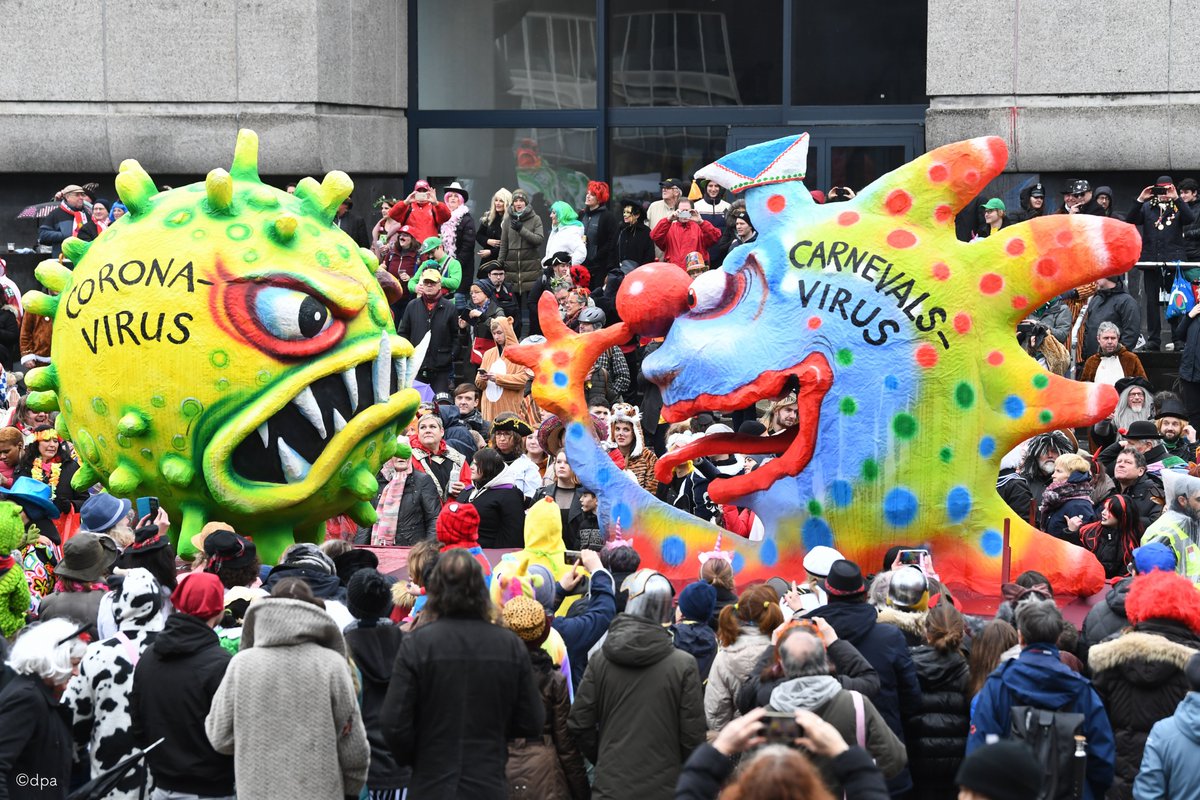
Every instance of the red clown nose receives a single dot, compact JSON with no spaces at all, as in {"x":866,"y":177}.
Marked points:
{"x":652,"y":296}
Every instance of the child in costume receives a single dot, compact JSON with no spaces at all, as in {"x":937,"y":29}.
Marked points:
{"x":14,"y":590}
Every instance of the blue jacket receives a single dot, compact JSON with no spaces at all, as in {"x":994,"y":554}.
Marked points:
{"x":581,"y":632}
{"x":1039,"y":679}
{"x":1171,"y":762}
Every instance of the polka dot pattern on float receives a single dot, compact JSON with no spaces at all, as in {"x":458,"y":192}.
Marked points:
{"x":904,"y":426}
{"x":958,"y":504}
{"x":674,"y":550}
{"x":991,"y":542}
{"x":1014,"y":406}
{"x":816,"y":533}
{"x":987,"y":446}
{"x":900,"y":507}
{"x":841,"y":493}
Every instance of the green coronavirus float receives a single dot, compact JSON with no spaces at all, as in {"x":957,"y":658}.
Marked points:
{"x":225,"y":348}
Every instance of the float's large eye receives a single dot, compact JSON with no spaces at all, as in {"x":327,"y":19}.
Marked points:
{"x":714,"y":293}
{"x":291,"y":315}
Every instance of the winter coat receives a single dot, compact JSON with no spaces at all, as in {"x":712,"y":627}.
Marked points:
{"x":521,"y":249}
{"x":464,"y":244}
{"x":567,"y":239}
{"x":1056,"y":316}
{"x":325,"y":753}
{"x":1061,"y":501}
{"x":443,"y":467}
{"x":1108,"y":616}
{"x":1038,"y":678}
{"x":425,"y":218}
{"x":373,"y":645}
{"x":173,"y":688}
{"x":1014,"y":490}
{"x":1189,"y":364}
{"x":633,"y":244}
{"x":501,"y":507}
{"x":1171,"y":764}
{"x":1115,"y":306}
{"x":639,"y":711}
{"x":1146,"y":493}
{"x":460,"y":690}
{"x":441,"y":323}
{"x":10,"y":338}
{"x":36,"y":333}
{"x":731,"y":668}
{"x":1131,"y":365}
{"x":489,"y":230}
{"x":548,"y":766}
{"x":697,"y":639}
{"x":56,"y":227}
{"x":937,"y":735}
{"x":35,"y":739}
{"x":510,"y":378}
{"x":677,"y":239}
{"x":708,"y":769}
{"x":1140,"y":677}
{"x":416,"y":517}
{"x":580,"y":632}
{"x":1166,"y":244}
{"x":824,"y":696}
{"x":81,"y":607}
{"x":600,"y":233}
{"x":910,"y":623}
{"x":852,"y":671}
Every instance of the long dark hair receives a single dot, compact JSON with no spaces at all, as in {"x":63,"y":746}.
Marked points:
{"x":455,"y":588}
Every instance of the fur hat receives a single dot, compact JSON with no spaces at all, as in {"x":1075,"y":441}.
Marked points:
{"x":368,"y":596}
{"x":624,"y":412}
{"x":1163,"y":595}
{"x":525,"y":617}
{"x":199,"y":594}
{"x":458,"y":526}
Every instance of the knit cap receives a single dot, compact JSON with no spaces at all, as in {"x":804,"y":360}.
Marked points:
{"x":199,"y":594}
{"x":309,"y":556}
{"x":458,"y":526}
{"x":697,"y":601}
{"x":369,"y":596}
{"x":1005,"y":770}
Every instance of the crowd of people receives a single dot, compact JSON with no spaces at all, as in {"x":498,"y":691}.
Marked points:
{"x":610,"y":681}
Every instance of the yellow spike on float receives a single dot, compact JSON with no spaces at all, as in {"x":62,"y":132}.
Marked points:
{"x":219,"y":188}
{"x":42,"y":379}
{"x":133,"y":424}
{"x":53,"y":275}
{"x":84,"y":477}
{"x":284,"y":227}
{"x":135,"y":187}
{"x":74,"y":249}
{"x":40,"y":304}
{"x":42,"y":401}
{"x":176,"y":470}
{"x":123,"y":480}
{"x":362,"y":484}
{"x":322,"y":199}
{"x":245,"y":157}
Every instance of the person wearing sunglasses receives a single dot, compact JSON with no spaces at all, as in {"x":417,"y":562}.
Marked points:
{"x":1078,"y":199}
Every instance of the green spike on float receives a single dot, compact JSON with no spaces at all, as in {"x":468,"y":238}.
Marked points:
{"x":363,"y":513}
{"x":40,"y":304}
{"x":135,"y":187}
{"x":133,"y":424}
{"x":369,"y":259}
{"x":323,"y":199}
{"x":74,"y":249}
{"x":42,"y":379}
{"x":362,"y":484}
{"x":245,"y":157}
{"x":176,"y":470}
{"x":53,"y":275}
{"x":124,"y":480}
{"x":84,"y":477}
{"x":60,"y":425}
{"x":219,"y":188}
{"x":42,"y":401}
{"x":284,"y":227}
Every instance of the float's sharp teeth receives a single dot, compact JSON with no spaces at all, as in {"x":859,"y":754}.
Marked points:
{"x":338,"y":422}
{"x":311,"y":411}
{"x":418,"y":358}
{"x":295,"y":468}
{"x":264,"y":434}
{"x":382,"y":361}
{"x":409,"y":375}
{"x":400,"y":364}
{"x":351,"y":381}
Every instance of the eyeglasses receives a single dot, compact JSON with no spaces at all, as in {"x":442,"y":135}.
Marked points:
{"x":1074,"y":194}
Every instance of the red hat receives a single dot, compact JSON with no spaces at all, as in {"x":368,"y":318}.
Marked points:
{"x":458,"y":525}
{"x":421,"y":185}
{"x":199,"y":594}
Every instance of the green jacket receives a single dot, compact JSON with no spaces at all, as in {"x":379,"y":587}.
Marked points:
{"x":451,"y":274}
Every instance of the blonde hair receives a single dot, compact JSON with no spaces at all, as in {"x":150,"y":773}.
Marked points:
{"x":501,"y":194}
{"x":1072,"y":462}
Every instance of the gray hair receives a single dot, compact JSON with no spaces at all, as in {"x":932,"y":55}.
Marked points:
{"x":1107,"y":327}
{"x":40,"y":651}
{"x":803,"y":655}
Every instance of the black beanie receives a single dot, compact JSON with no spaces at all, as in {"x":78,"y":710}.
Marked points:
{"x":369,"y":596}
{"x":1005,"y":770}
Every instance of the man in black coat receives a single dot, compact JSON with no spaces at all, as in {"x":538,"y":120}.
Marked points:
{"x":431,"y":313}
{"x":1160,"y":218}
{"x":1111,"y":303}
{"x":600,"y":234}
{"x":461,"y":688}
{"x":64,"y":221}
{"x":173,"y":687}
{"x":352,"y":225}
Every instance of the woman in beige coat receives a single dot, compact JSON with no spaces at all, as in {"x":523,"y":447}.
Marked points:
{"x":501,"y":382}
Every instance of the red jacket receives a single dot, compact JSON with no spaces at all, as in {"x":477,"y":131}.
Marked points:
{"x":425,"y":219}
{"x":677,"y":239}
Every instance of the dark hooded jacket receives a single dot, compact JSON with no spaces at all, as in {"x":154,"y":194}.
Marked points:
{"x":1165,"y":244}
{"x":937,"y":735}
{"x":852,"y":671}
{"x":1140,"y":677}
{"x":697,"y":639}
{"x":1108,"y":616}
{"x":323,"y":584}
{"x":639,"y":711}
{"x":373,"y":645}
{"x":1111,"y":305}
{"x":173,"y":687}
{"x":35,"y":740}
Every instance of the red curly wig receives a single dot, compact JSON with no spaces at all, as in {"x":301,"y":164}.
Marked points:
{"x":1164,"y":595}
{"x":600,"y":190}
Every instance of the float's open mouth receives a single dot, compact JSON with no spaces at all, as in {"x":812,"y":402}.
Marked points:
{"x":810,"y":379}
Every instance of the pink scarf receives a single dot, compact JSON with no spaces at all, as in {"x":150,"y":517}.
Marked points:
{"x":449,"y":229}
{"x":384,"y":532}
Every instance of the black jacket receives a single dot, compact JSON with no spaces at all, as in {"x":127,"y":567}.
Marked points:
{"x":501,"y":515}
{"x":416,"y":518}
{"x":1143,"y":494}
{"x":697,"y":639}
{"x":486,"y":230}
{"x":373,"y":646}
{"x":1014,"y":490}
{"x":1108,"y":616}
{"x":56,"y":227}
{"x":355,"y":227}
{"x":441,"y":322}
{"x":937,"y":735}
{"x":1166,"y":244}
{"x":1115,"y":306}
{"x":460,"y":689}
{"x":464,"y":249}
{"x":600,"y":228}
{"x":707,"y":769}
{"x":10,"y":339}
{"x":173,"y":688}
{"x":853,"y":672}
{"x":35,"y":739}
{"x":633,"y":244}
{"x":1189,"y":364}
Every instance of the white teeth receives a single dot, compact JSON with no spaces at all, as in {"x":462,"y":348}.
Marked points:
{"x":409,"y":374}
{"x":401,"y":367}
{"x":308,"y":407}
{"x":383,"y":384}
{"x":338,"y":422}
{"x":295,"y":468}
{"x":264,"y":435}
{"x":418,"y":358}
{"x":351,"y":381}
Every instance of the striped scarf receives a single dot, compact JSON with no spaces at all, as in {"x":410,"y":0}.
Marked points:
{"x":80,"y":218}
{"x":384,"y":532}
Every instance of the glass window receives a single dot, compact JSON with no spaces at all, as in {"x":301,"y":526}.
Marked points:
{"x":868,"y":52}
{"x":857,"y":165}
{"x":556,"y":163}
{"x":641,"y":157}
{"x":482,"y":54}
{"x":695,"y":52}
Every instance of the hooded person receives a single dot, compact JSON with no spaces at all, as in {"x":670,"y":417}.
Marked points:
{"x":1179,"y":525}
{"x":1170,"y":767}
{"x":306,"y":562}
{"x":98,"y":697}
{"x":501,"y":382}
{"x":566,"y":233}
{"x":639,"y":710}
{"x":697,"y":601}
{"x":628,"y":441}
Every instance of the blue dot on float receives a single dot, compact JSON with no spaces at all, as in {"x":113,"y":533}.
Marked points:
{"x":841,"y":493}
{"x":768,"y":553}
{"x":891,"y":382}
{"x":1014,"y":406}
{"x":987,"y":446}
{"x":992,"y":542}
{"x":575,"y":430}
{"x":737,"y":562}
{"x":674,"y":551}
{"x":560,"y":379}
{"x":623,"y":514}
{"x":958,"y":504}
{"x":900,"y":507}
{"x":816,"y":532}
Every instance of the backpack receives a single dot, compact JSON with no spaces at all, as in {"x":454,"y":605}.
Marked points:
{"x":1052,"y":737}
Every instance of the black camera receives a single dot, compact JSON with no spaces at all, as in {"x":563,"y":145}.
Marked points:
{"x":1158,"y":191}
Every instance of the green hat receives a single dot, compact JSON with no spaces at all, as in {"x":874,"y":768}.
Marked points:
{"x":434,"y":242}
{"x":995,"y":204}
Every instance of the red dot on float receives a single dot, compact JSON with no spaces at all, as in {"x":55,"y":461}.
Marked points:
{"x":901,"y":239}
{"x":941,"y":271}
{"x":943,"y":213}
{"x":938,"y":173}
{"x":1046,"y":267}
{"x":971,"y":177}
{"x":561,"y":358}
{"x":991,"y":283}
{"x":962,"y":322}
{"x":776,"y":203}
{"x":1064,"y":238}
{"x":926,"y":356}
{"x":1015,"y":247}
{"x":847,"y":218}
{"x":995,"y":358}
{"x":1019,"y":302}
{"x":898,"y":202}
{"x":814,"y":323}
